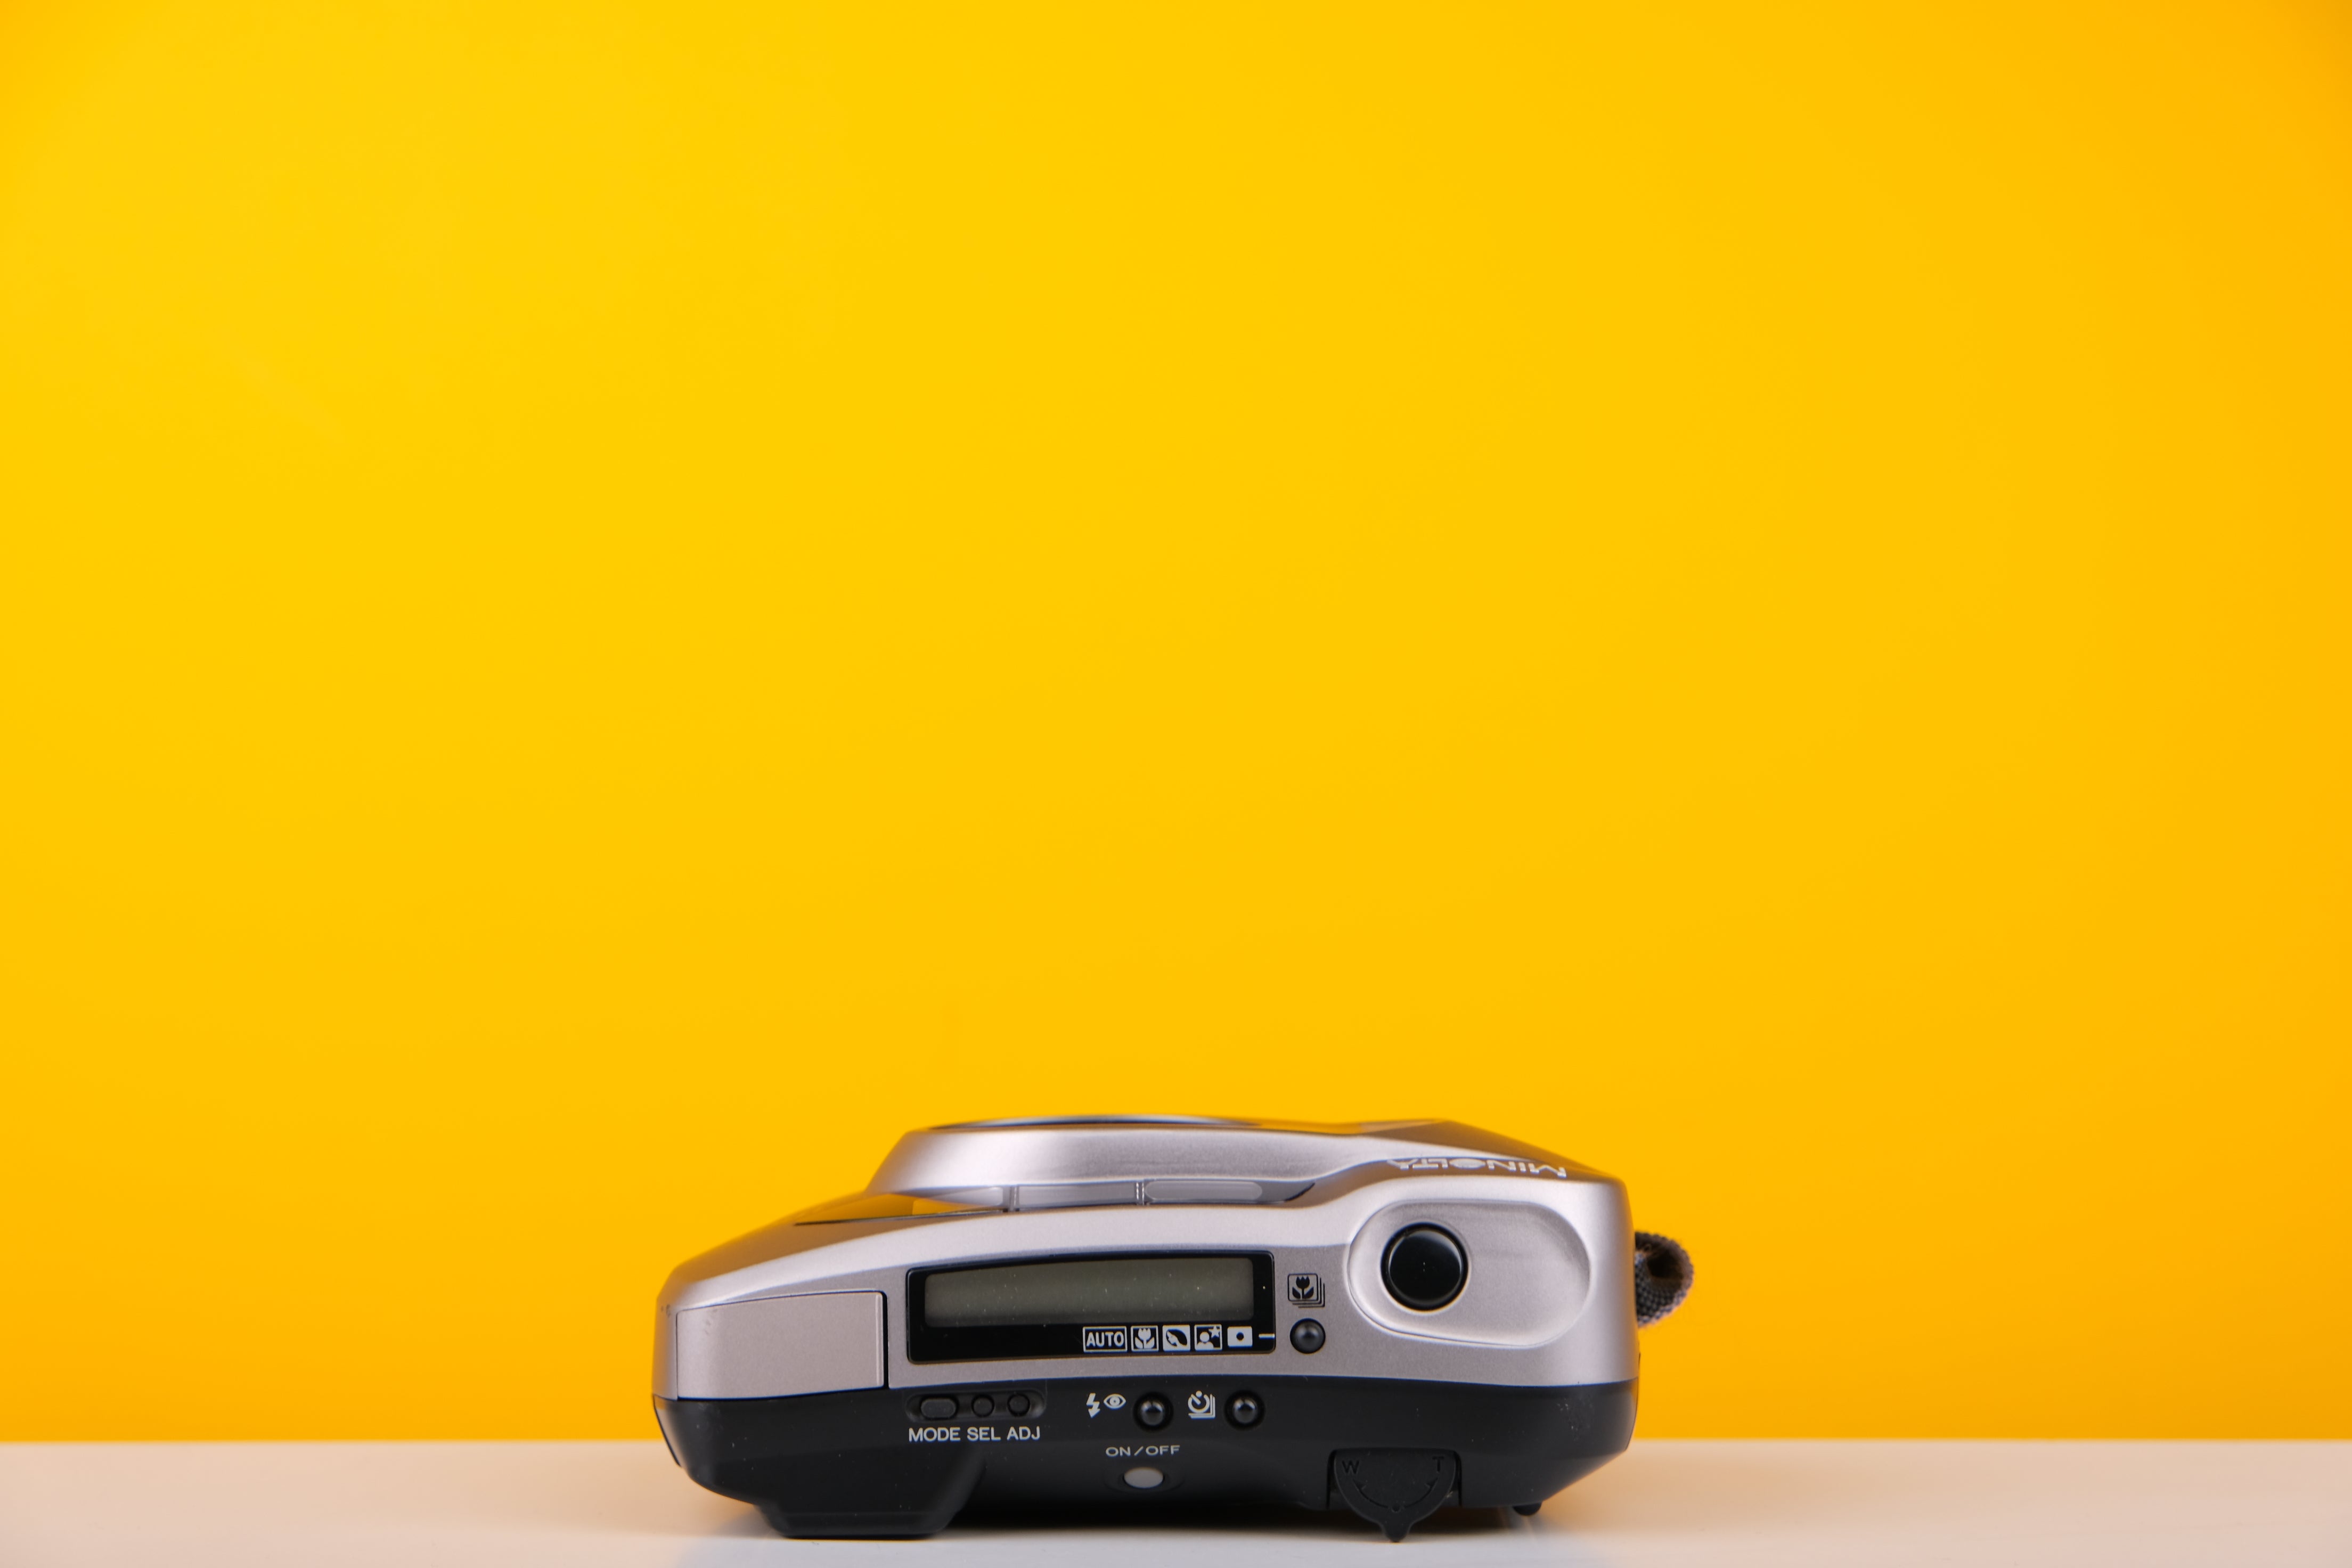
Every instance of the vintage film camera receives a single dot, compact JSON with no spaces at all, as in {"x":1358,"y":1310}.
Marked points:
{"x":1131,"y":1312}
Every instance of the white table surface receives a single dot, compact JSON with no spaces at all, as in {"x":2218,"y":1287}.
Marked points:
{"x":253,"y":1505}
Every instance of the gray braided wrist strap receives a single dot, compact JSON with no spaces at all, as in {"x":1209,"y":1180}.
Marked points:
{"x":1662,"y":1277}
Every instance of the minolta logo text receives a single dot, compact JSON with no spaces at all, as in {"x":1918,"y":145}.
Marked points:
{"x":1479,"y":1163}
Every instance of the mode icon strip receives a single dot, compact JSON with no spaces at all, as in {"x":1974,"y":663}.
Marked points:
{"x":1166,"y":1338}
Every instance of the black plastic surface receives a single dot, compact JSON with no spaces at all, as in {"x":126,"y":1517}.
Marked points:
{"x":1424,"y":1267}
{"x":1395,"y":1489}
{"x":857,"y":1464}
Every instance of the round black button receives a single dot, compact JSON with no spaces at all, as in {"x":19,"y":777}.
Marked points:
{"x":1307,"y":1336}
{"x":1018,"y":1404}
{"x":1151,"y":1412}
{"x":1424,"y":1267}
{"x":1245,"y":1410}
{"x":981,"y":1404}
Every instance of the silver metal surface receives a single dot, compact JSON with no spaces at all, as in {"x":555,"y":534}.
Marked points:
{"x":781,"y":1345}
{"x":1073,"y":1195}
{"x":1527,"y":1284}
{"x":1548,"y":1300}
{"x":945,"y":1159}
{"x":1182,"y":1190}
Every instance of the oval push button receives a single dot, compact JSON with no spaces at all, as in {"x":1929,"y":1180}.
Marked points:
{"x":1143,"y":1478}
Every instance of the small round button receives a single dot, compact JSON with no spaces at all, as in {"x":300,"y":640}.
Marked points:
{"x":1143,"y":1478}
{"x":1243,"y":1409}
{"x":1424,"y":1268}
{"x":1151,"y":1413}
{"x":981,"y":1404}
{"x":1018,"y":1404}
{"x":1307,"y":1336}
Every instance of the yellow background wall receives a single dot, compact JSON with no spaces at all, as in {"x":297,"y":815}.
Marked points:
{"x":604,"y":605}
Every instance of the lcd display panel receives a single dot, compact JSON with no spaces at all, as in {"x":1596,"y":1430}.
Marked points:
{"x":1093,"y":1304}
{"x":1090,"y":1290}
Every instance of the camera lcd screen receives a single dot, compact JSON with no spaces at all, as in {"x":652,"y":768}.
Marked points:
{"x":1091,"y":1289}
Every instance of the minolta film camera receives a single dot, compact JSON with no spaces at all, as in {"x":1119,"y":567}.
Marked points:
{"x":1132,"y":1312}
